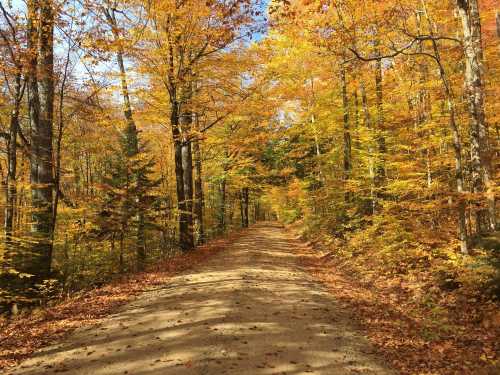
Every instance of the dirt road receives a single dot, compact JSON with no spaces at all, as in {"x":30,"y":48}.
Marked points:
{"x":250,"y":309}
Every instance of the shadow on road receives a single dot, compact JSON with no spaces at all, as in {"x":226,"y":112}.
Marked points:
{"x":249,"y":310}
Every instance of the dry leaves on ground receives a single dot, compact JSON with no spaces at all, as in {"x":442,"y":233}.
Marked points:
{"x":445,"y":338}
{"x":20,"y":337}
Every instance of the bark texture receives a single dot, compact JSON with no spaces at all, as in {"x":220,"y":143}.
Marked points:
{"x":41,"y":103}
{"x":481,"y":168}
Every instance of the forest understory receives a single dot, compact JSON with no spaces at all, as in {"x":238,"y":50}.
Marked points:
{"x":35,"y":329}
{"x":413,"y":330}
{"x":423,"y":324}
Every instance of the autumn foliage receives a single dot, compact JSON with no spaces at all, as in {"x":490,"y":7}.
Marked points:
{"x":133,"y":131}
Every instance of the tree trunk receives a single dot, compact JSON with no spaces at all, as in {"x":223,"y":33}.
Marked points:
{"x":347,"y":132}
{"x":242,"y":211}
{"x":186,"y":122}
{"x":222,"y":206}
{"x":41,"y":87}
{"x":315,"y":132}
{"x":121,"y":265}
{"x":380,"y":168}
{"x":198,"y":192}
{"x":357,"y":143}
{"x":180,"y":122}
{"x":60,"y":130}
{"x":11,"y":191}
{"x":371,"y":166}
{"x":474,"y":91}
{"x":457,"y":144}
{"x":179,"y":179}
{"x":245,"y":205}
{"x":245,"y":201}
{"x":423,"y":112}
{"x":187,"y":170}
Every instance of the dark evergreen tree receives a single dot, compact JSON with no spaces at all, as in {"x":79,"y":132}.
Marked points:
{"x":128,"y":200}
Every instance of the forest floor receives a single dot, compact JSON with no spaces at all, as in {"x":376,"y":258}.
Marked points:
{"x":250,"y":309}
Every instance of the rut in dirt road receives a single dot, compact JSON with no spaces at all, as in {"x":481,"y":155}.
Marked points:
{"x":250,"y":309}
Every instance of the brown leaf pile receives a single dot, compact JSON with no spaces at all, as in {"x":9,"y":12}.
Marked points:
{"x":20,"y":337}
{"x":450,"y":336}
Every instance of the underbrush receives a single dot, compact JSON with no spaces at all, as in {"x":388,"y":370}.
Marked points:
{"x":34,"y":328}
{"x":389,"y":246}
{"x":430,"y":309}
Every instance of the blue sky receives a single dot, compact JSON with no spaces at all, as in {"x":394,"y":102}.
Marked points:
{"x":263,"y":7}
{"x":106,"y":69}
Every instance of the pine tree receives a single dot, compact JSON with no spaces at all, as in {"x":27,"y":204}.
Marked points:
{"x":128,"y":200}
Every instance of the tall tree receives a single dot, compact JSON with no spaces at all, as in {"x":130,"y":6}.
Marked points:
{"x":380,"y":174}
{"x":347,"y":130}
{"x":199,"y":199}
{"x":474,"y":91}
{"x":41,"y":17}
{"x":131,"y":133}
{"x":187,"y":35}
{"x":13,"y":67}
